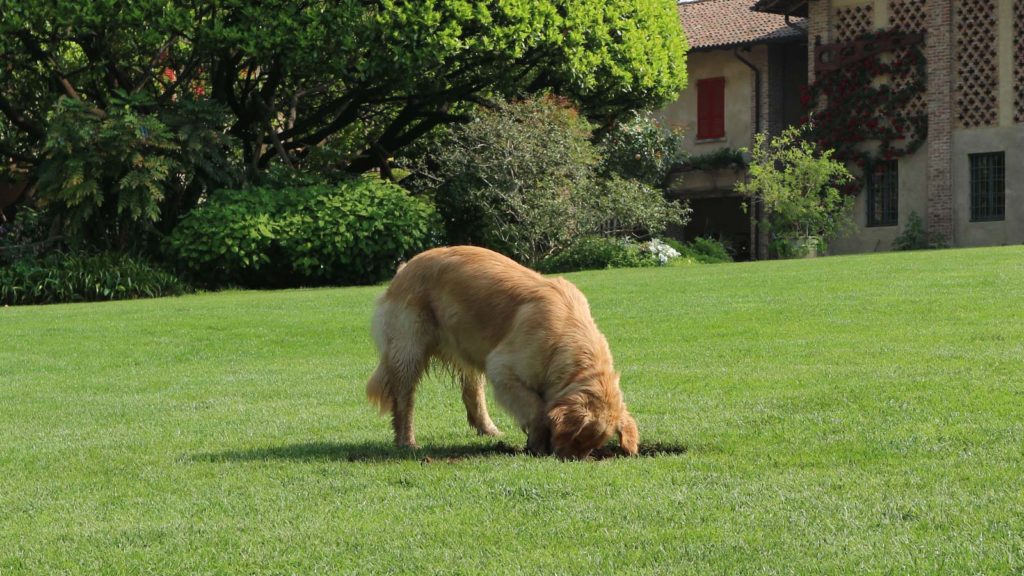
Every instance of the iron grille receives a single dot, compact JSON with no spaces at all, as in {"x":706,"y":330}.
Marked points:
{"x":988,"y":186}
{"x":883,"y":194}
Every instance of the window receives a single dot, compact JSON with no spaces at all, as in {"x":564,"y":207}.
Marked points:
{"x":883,"y":194}
{"x":711,"y":108}
{"x":988,"y":186}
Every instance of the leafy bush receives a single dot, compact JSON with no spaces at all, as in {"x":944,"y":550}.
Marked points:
{"x":112,"y":174}
{"x":83,"y":277}
{"x":24,"y":237}
{"x":352,"y":233}
{"x":524,"y":179}
{"x":706,"y":251}
{"x":721,"y":158}
{"x":915,"y":236}
{"x":641,"y":149}
{"x":798,"y":185}
{"x":598,"y":252}
{"x":621,"y":207}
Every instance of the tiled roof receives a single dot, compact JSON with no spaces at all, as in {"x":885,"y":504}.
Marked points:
{"x":724,"y":23}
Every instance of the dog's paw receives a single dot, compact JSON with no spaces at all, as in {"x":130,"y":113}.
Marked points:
{"x":539,"y":443}
{"x":490,"y":431}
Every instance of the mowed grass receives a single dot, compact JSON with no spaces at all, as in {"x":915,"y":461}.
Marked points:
{"x":833,"y":416}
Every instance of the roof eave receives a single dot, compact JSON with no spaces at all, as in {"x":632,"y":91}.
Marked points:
{"x":750,"y":43}
{"x":784,"y":7}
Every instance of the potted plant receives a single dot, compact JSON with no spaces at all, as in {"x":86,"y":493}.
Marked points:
{"x":798,"y":187}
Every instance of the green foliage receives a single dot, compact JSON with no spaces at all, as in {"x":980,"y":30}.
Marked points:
{"x":915,"y":236}
{"x":364,"y":79}
{"x":84,"y":277}
{"x":515,"y":178}
{"x":705,"y":251}
{"x":641,"y":149}
{"x":109,"y":174}
{"x":598,"y":252}
{"x":620,"y":207}
{"x":798,"y":185}
{"x":355,"y":232}
{"x":24,"y":237}
{"x":524,"y":179}
{"x":721,"y":158}
{"x":116,"y":162}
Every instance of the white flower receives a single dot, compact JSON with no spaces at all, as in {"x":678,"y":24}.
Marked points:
{"x":663,"y":252}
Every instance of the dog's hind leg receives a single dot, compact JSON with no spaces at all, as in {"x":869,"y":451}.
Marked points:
{"x":476,"y":403}
{"x":392,"y":389}
{"x":401,"y":419}
{"x":404,"y":339}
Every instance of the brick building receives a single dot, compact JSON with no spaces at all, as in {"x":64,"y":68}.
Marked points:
{"x":966,"y":180}
{"x":745,"y":72}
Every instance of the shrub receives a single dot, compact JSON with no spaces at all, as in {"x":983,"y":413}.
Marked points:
{"x":620,"y":207}
{"x":721,"y":158}
{"x":641,"y":149}
{"x":84,"y":277}
{"x":112,"y":176}
{"x":598,"y":252}
{"x":798,"y":185}
{"x":524,"y":179}
{"x":916,"y":237}
{"x":25,"y":236}
{"x":706,"y":251}
{"x":353,"y":233}
{"x":662,"y":251}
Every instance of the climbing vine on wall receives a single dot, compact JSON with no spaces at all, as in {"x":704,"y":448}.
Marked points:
{"x":861,"y":101}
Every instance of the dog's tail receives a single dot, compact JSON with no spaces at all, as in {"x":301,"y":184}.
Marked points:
{"x":378,"y":387}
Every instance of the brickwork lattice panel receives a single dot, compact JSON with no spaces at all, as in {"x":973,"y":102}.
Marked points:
{"x":1018,"y":61}
{"x":853,"y":21}
{"x":909,"y":16}
{"x":977,"y":72}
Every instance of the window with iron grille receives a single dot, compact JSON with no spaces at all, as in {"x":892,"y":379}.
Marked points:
{"x":883,"y":194}
{"x":988,"y":186}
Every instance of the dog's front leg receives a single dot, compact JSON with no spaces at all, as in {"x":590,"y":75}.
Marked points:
{"x":538,"y":436}
{"x":525,"y":405}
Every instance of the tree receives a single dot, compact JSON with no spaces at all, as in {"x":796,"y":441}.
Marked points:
{"x":799,"y":187}
{"x":365,"y":76}
{"x":526,"y":179}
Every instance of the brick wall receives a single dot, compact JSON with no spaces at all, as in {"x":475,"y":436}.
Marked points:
{"x":817,"y":31}
{"x":939,"y":54}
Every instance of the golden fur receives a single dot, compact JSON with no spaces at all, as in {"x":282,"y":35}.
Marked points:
{"x":480,"y":313}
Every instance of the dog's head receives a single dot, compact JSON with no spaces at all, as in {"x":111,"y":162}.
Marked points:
{"x":586,"y":419}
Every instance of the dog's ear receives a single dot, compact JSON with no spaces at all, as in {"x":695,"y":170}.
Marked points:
{"x":629,"y":436}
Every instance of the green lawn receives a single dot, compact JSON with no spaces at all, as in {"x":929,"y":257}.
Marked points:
{"x":841,"y":415}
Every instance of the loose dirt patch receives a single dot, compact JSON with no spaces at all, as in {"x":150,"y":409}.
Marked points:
{"x":653,"y":450}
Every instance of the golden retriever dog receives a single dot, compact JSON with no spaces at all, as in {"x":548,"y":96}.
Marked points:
{"x":479,"y":313}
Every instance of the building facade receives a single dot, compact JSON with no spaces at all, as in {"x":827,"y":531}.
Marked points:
{"x":745,"y":71}
{"x":967,"y":179}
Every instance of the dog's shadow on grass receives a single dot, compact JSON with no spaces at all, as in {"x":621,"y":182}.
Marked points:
{"x":384,"y":452}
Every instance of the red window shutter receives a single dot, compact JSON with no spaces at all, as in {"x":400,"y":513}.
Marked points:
{"x":711,"y":108}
